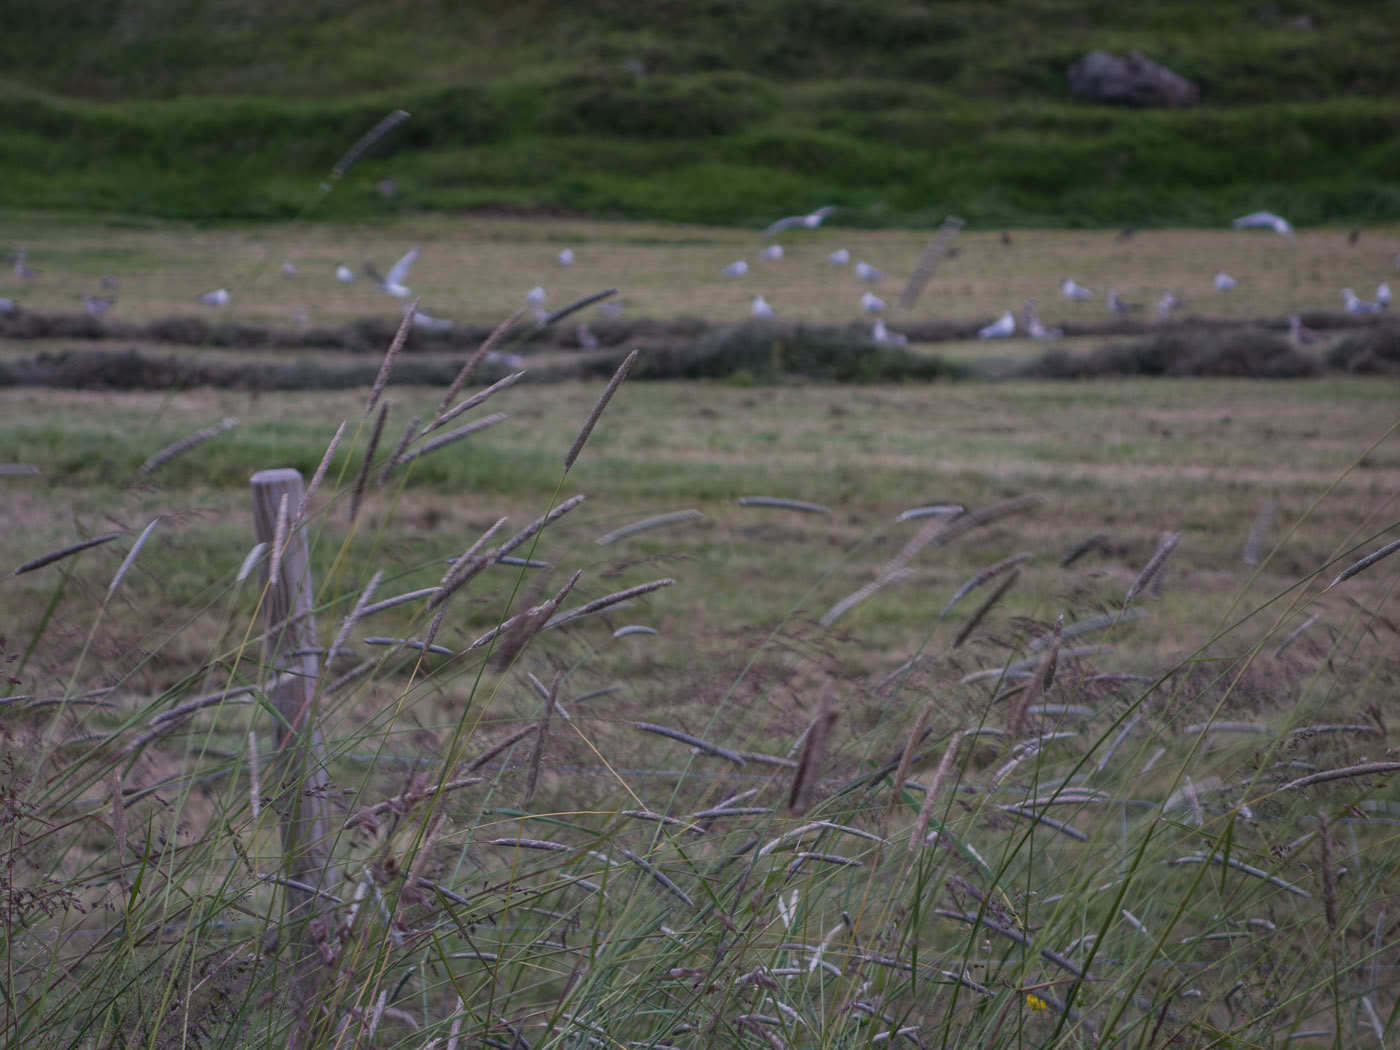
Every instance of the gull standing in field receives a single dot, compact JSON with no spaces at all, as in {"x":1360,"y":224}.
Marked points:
{"x":1360,"y":307}
{"x":736,"y":269}
{"x":1383,"y":294}
{"x":1118,"y":306}
{"x":1166,"y":305}
{"x":534,"y":299}
{"x":880,"y":334}
{"x":584,"y":336}
{"x":866,"y":272}
{"x":96,"y":305}
{"x":392,"y":282}
{"x":8,"y":306}
{"x":218,"y":297}
{"x":1002,"y":328}
{"x":1224,"y":282}
{"x":1264,"y":220}
{"x":1072,"y":290}
{"x":772,"y":253}
{"x":1035,"y":328}
{"x":289,"y":269}
{"x":22,"y":268}
{"x":807,"y":222}
{"x":872,"y":303}
{"x":1299,"y":334}
{"x":565,"y":257}
{"x":840,"y":257}
{"x":761,"y":308}
{"x":344,"y":274}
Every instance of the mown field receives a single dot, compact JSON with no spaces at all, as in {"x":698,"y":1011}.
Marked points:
{"x":477,"y":270}
{"x":1129,"y":798}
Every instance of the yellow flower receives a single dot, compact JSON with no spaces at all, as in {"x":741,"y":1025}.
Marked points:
{"x":1035,"y":1002}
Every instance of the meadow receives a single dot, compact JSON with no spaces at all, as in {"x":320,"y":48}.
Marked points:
{"x":723,"y":112}
{"x":1009,"y":713}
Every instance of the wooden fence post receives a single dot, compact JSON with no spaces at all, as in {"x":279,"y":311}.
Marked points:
{"x":301,"y":779}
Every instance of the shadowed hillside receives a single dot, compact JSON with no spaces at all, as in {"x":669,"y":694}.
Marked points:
{"x":722,"y":111}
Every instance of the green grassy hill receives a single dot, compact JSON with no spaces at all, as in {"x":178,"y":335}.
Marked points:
{"x":725,"y":111}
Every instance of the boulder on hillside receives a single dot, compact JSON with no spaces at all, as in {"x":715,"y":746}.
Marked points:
{"x":1131,"y":80}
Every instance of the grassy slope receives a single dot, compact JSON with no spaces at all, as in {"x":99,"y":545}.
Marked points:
{"x":747,"y":110}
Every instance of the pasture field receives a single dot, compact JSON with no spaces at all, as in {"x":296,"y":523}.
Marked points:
{"x":477,"y":270}
{"x":929,"y":818}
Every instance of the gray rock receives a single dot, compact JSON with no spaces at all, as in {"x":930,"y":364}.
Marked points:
{"x":1131,"y":80}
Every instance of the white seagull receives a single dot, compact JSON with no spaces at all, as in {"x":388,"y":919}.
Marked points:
{"x":1299,"y":334}
{"x":807,"y":222}
{"x":1030,"y":321}
{"x":1224,"y":282}
{"x":1118,"y":306}
{"x":760,"y":307}
{"x":289,"y":269}
{"x":565,"y":257}
{"x":1166,"y":305}
{"x":872,"y":303}
{"x":1002,"y":328}
{"x":8,"y":306}
{"x":880,"y":334}
{"x":22,"y":268}
{"x":96,"y":305}
{"x":840,"y":257}
{"x":393,"y":281}
{"x":1070,"y":290}
{"x":1383,"y":294}
{"x":1360,"y":307}
{"x":772,"y":253}
{"x":431,"y":324}
{"x":736,"y":269}
{"x":866,"y":272}
{"x":585,"y":337}
{"x":218,"y":297}
{"x":1264,"y":220}
{"x":535,"y":296}
{"x":344,"y":274}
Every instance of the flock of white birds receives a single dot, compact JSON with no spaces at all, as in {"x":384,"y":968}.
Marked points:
{"x":395,"y":283}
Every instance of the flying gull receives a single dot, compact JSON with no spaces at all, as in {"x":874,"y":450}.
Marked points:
{"x":806,"y":222}
{"x":1264,"y":220}
{"x":393,"y":281}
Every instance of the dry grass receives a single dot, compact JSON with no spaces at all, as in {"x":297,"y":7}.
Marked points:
{"x":478,"y":270}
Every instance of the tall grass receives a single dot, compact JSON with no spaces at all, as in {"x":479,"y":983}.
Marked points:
{"x":1003,"y":839}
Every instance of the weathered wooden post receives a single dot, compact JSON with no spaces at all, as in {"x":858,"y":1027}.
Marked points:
{"x":290,"y":660}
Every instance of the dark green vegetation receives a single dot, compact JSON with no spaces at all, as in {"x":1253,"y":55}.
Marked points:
{"x":747,"y":109}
